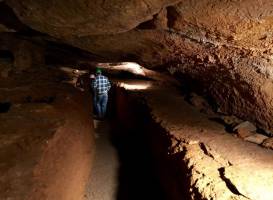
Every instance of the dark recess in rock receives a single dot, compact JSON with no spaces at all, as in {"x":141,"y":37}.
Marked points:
{"x":6,"y":55}
{"x":5,"y":107}
{"x":150,"y":24}
{"x":172,"y":16}
{"x":9,"y":19}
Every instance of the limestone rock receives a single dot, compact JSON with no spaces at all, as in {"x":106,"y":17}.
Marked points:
{"x":245,"y":129}
{"x":246,"y":125}
{"x":268,"y":143}
{"x":256,"y":138}
{"x":91,"y":17}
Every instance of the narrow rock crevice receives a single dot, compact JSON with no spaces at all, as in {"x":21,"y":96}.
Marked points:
{"x":205,"y":150}
{"x":172,"y":16}
{"x":228,"y":182}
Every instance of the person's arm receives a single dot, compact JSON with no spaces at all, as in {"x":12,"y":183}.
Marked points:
{"x":77,"y":84}
{"x":94,"y":84}
{"x":108,"y":85}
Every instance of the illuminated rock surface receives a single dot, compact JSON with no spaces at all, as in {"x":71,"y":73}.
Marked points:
{"x":220,"y":50}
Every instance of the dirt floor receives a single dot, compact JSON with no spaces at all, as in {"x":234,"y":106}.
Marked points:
{"x":104,"y":177}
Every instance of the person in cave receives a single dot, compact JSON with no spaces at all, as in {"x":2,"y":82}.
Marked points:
{"x":101,"y":86}
{"x":92,"y":78}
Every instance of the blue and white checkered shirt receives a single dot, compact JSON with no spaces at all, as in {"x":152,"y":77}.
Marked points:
{"x":101,"y":84}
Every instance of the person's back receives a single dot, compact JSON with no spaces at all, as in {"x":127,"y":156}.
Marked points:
{"x":101,"y":86}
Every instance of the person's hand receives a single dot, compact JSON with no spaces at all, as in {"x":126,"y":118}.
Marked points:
{"x":92,"y":76}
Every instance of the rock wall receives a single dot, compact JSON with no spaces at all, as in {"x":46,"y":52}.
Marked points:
{"x":194,"y":157}
{"x":225,"y":46}
{"x":26,"y":53}
{"x":46,"y":141}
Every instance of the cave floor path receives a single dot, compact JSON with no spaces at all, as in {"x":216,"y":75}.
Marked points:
{"x":104,"y":178}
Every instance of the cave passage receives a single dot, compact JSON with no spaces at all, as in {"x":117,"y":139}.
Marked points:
{"x":124,"y":167}
{"x":190,"y":110}
{"x":138,"y":159}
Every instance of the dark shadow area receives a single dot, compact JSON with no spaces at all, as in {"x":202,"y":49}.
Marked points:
{"x":228,"y":127}
{"x":137,"y":179}
{"x":11,"y":21}
{"x":6,"y":55}
{"x":137,"y":173}
{"x":147,"y":25}
{"x":5,"y":107}
{"x":45,"y":99}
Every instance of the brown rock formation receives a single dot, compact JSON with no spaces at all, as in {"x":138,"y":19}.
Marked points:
{"x":223,"y":45}
{"x":46,"y":142}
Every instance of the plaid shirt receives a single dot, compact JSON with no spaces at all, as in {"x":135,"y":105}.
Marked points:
{"x":101,"y":84}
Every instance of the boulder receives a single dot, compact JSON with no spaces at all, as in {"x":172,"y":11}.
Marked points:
{"x":256,"y":138}
{"x":243,"y":133}
{"x":245,"y":129}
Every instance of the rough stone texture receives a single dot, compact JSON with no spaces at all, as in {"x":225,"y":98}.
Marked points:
{"x":243,"y":133}
{"x":200,"y":159}
{"x":26,"y":53}
{"x":256,"y":138}
{"x":46,"y":145}
{"x":225,"y":46}
{"x":81,"y":17}
{"x":268,"y":143}
{"x":245,"y":129}
{"x":245,"y":125}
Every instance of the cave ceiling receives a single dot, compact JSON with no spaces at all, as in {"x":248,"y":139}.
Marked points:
{"x":153,"y":32}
